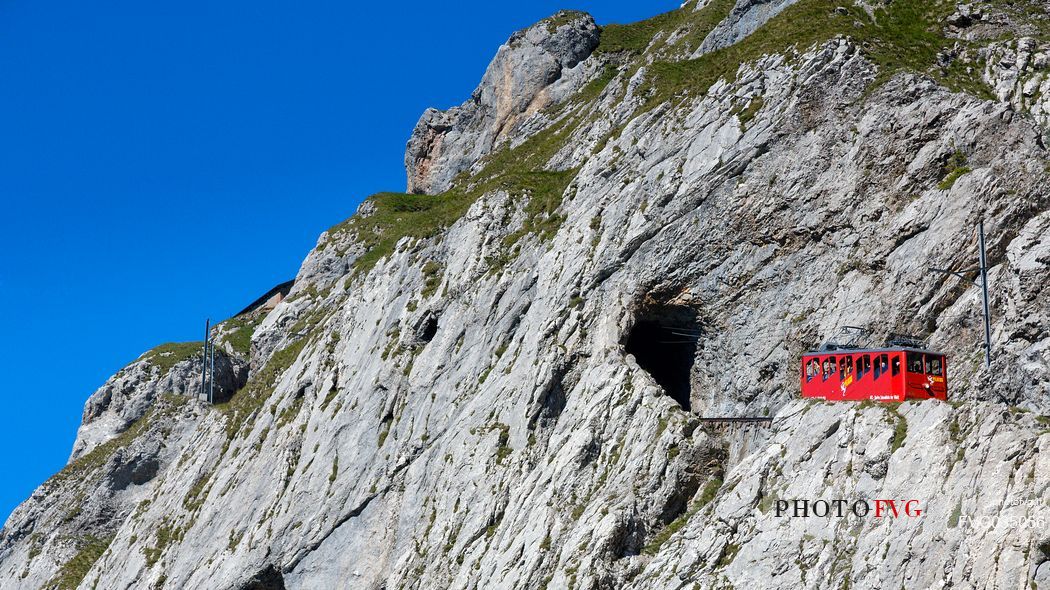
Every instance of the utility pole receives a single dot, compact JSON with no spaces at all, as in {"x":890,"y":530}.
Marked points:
{"x":211,"y":369}
{"x":983,"y":271}
{"x":204,"y":359}
{"x":987,"y":314}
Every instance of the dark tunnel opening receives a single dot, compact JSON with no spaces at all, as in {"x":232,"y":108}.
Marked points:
{"x":427,"y":328}
{"x":664,"y":340}
{"x":267,"y":579}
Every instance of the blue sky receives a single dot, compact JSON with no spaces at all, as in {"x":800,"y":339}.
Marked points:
{"x":161,"y":162}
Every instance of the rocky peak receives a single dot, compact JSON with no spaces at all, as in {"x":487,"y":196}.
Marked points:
{"x":536,"y":67}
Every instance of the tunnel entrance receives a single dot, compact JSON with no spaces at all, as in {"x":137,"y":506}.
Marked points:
{"x":267,"y":579}
{"x":664,"y":340}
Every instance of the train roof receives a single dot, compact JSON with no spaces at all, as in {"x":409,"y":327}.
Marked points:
{"x":838,"y":351}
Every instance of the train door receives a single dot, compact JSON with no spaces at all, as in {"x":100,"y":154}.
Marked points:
{"x":896,"y":383}
{"x":936,"y":383}
{"x":882,"y":384}
{"x":810,"y":376}
{"x":829,"y":372}
{"x":915,"y":384}
{"x":845,"y":375}
{"x":864,"y":379}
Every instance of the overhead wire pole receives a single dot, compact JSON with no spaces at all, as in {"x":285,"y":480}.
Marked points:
{"x":987,"y":313}
{"x":983,"y":271}
{"x":204,"y":359}
{"x":211,"y":369}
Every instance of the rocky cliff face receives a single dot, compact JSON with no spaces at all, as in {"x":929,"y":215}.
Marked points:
{"x":536,"y":68}
{"x":461,"y":392}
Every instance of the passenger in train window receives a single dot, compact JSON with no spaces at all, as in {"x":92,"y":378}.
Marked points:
{"x":896,"y":366}
{"x":881,"y":365}
{"x":914,"y":363}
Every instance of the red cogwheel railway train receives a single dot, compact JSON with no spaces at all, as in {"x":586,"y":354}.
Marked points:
{"x":902,"y":370}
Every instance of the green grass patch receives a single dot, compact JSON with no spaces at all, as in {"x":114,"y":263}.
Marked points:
{"x":431,"y":278}
{"x":709,"y":492}
{"x":166,"y":356}
{"x":728,"y":555}
{"x":545,"y":191}
{"x":563,"y":17}
{"x":335,"y":471}
{"x":593,"y":89}
{"x":953,"y":519}
{"x":72,"y":573}
{"x":398,"y":215}
{"x":706,"y":495}
{"x":900,"y":433}
{"x":195,"y":497}
{"x":956,"y":167}
{"x":634,"y":38}
{"x":383,"y":433}
{"x":289,"y":413}
{"x":768,"y":500}
{"x":747,"y":114}
{"x":503,"y":448}
{"x":246,"y":402}
{"x":167,"y":534}
{"x":653,"y":546}
{"x":520,"y":171}
{"x":906,"y":35}
{"x":239,"y":332}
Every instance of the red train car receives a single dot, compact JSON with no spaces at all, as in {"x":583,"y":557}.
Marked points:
{"x":879,"y":374}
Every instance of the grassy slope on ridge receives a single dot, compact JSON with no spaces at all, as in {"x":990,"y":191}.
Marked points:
{"x":906,"y":35}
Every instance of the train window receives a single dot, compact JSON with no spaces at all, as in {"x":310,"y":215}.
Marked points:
{"x":896,"y":365}
{"x":845,"y":366}
{"x":914,"y":362}
{"x":827,"y":368}
{"x":882,"y":365}
{"x":812,"y":369}
{"x":933,"y":365}
{"x":863,"y":365}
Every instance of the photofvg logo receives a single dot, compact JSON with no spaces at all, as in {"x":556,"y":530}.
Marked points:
{"x":842,"y":508}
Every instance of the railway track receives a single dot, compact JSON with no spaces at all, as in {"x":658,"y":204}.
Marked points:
{"x":764,"y":421}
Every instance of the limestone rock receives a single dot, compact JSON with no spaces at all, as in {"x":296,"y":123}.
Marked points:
{"x":125,"y":397}
{"x":535,"y":68}
{"x":746,"y":17}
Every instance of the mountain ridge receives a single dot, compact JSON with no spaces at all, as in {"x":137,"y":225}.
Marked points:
{"x":448,"y":397}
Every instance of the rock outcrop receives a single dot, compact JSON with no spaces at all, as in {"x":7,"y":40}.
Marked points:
{"x":1019,"y":72}
{"x":460,"y":391}
{"x":746,"y":17}
{"x":537,"y":67}
{"x":128,"y":395}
